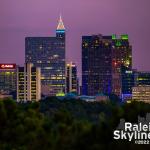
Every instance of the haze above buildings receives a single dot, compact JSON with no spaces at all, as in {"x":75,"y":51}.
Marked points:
{"x":33,"y":18}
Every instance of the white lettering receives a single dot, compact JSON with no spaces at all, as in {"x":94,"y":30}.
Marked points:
{"x":128,"y":126}
{"x":130,"y":135}
{"x":117,"y":134}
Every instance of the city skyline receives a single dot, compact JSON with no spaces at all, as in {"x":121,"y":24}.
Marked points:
{"x":74,"y":74}
{"x":104,"y":17}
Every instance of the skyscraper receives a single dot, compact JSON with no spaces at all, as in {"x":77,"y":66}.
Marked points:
{"x":72,"y":80}
{"x":121,"y":56}
{"x":102,"y":58}
{"x":48,"y":53}
{"x":28,"y":83}
{"x":96,"y":64}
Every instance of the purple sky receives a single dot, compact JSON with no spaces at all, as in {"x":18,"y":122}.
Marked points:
{"x":21,"y":18}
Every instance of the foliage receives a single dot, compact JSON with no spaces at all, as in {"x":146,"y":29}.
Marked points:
{"x":52,"y":124}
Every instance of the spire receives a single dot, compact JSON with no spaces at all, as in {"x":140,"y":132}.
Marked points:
{"x":60,"y":24}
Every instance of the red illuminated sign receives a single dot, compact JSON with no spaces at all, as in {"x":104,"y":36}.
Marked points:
{"x":7,"y":66}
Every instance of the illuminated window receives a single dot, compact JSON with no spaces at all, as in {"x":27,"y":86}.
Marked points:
{"x":39,"y":61}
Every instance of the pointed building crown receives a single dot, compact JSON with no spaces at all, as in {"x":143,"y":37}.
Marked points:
{"x":60,"y":24}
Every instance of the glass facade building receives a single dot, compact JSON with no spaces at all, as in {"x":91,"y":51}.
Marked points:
{"x":102,"y":58}
{"x":48,"y":53}
{"x":121,"y":56}
{"x":96,"y":65}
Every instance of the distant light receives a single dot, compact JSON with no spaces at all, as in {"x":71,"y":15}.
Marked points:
{"x":113,"y":36}
{"x":55,"y":56}
{"x":7,"y":66}
{"x":129,"y":71}
{"x":124,"y":37}
{"x":60,"y":24}
{"x":60,"y":94}
{"x":127,"y":62}
{"x":8,"y":73}
{"x":60,"y":31}
{"x":118,"y":43}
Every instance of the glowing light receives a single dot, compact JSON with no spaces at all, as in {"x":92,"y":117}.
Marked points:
{"x":71,"y":65}
{"x":60,"y":31}
{"x":7,"y":66}
{"x":8,"y":73}
{"x":129,"y":71}
{"x":127,"y":62}
{"x":106,"y":44}
{"x":114,"y":63}
{"x":118,"y":43}
{"x":113,"y":36}
{"x":129,"y":102}
{"x":60,"y":26}
{"x":124,"y":37}
{"x":60,"y":94}
{"x":55,"y":56}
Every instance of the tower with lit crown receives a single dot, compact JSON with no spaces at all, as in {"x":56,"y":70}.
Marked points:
{"x":48,"y":53}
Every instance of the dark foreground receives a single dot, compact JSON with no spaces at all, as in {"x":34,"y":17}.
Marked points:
{"x":52,"y":124}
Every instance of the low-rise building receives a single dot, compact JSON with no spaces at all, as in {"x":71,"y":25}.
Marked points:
{"x":7,"y":78}
{"x":28,"y":83}
{"x":141,"y":93}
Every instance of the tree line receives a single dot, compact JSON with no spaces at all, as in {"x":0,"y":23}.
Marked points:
{"x":53,"y":124}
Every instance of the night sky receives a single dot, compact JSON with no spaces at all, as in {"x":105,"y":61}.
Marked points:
{"x":21,"y":18}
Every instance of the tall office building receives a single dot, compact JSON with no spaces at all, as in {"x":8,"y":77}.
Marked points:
{"x":7,"y":78}
{"x":102,"y":58}
{"x":96,"y":64}
{"x":48,"y":53}
{"x":121,"y":56}
{"x":71,"y":79}
{"x":28,"y":83}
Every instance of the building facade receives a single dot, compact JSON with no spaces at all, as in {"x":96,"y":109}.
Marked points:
{"x":28,"y":83}
{"x":48,"y":53}
{"x":127,"y":82}
{"x":96,"y":65}
{"x":121,"y":56}
{"x":71,"y":79}
{"x":102,"y":58}
{"x":7,"y":78}
{"x":142,"y":78}
{"x":141,"y":93}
